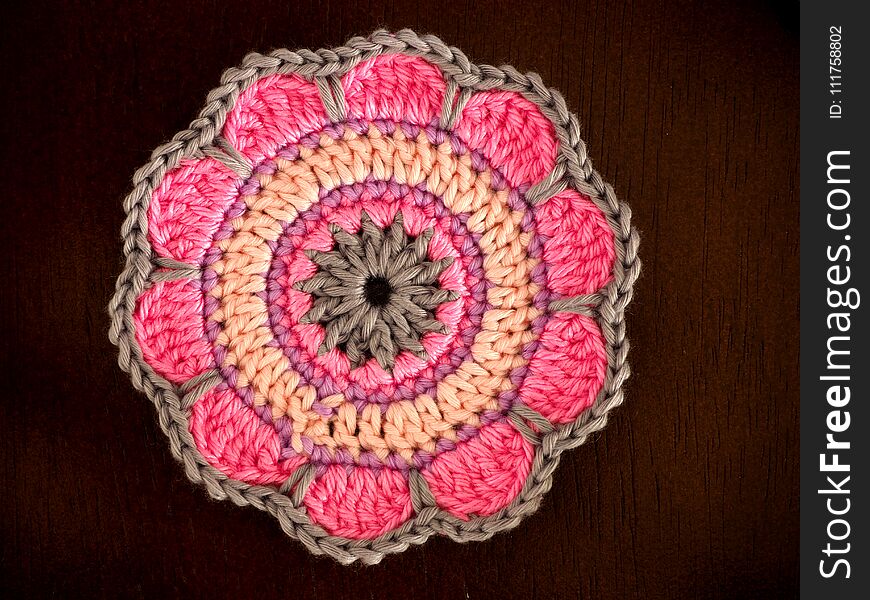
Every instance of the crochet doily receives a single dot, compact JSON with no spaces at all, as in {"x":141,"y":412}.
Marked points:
{"x":376,"y":291}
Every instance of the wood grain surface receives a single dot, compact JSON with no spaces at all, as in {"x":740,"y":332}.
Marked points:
{"x":690,"y":110}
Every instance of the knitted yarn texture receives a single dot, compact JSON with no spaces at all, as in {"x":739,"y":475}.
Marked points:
{"x":376,"y":291}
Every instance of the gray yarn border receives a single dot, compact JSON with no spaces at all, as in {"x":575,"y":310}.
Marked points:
{"x":463,"y":78}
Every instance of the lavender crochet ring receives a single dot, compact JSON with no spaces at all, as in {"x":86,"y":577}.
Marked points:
{"x":376,"y":291}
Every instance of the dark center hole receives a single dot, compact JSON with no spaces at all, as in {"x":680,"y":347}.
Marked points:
{"x":377,"y":291}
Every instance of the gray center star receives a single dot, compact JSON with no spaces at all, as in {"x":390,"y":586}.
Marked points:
{"x":376,"y":292}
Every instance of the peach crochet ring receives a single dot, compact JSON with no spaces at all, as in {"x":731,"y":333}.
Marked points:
{"x":376,"y":291}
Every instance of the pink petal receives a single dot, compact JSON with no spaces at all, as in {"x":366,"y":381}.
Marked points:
{"x":395,"y":87}
{"x":187,"y":208}
{"x":578,"y":246}
{"x":170,"y":330}
{"x":357,"y":502}
{"x":483,"y":475}
{"x":567,"y":370}
{"x":237,"y":442}
{"x":272,"y":113}
{"x":512,"y":133}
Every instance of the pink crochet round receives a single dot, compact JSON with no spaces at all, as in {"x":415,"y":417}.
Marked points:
{"x":374,"y":294}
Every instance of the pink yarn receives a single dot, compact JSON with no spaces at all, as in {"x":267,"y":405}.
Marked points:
{"x":567,"y":370}
{"x":273,"y":112}
{"x":187,"y":207}
{"x":235,"y":440}
{"x":579,"y":244}
{"x":395,"y":87}
{"x":170,"y":331}
{"x":358,"y":502}
{"x":481,"y":476}
{"x":512,"y":133}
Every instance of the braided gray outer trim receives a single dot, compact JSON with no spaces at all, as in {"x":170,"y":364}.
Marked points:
{"x":573,"y":169}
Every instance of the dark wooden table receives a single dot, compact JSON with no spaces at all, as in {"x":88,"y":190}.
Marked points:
{"x":690,"y":111}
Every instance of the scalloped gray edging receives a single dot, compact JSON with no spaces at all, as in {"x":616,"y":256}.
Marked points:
{"x":463,"y":78}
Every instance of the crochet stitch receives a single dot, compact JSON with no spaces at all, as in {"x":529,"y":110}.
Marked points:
{"x":376,"y":291}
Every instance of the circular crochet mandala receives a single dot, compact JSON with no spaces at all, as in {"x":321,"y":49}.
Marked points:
{"x":376,"y":291}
